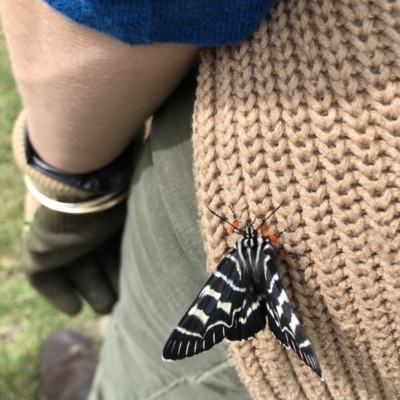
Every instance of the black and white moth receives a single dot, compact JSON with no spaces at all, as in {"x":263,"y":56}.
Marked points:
{"x":241,"y":297}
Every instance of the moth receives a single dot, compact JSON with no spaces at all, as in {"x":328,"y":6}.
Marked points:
{"x":243,"y":295}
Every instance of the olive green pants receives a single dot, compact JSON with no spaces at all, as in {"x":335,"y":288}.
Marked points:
{"x":163,"y":269}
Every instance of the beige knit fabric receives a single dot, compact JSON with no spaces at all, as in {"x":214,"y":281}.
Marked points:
{"x":307,"y":111}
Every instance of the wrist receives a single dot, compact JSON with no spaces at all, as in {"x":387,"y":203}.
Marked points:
{"x":108,"y":179}
{"x":66,"y":192}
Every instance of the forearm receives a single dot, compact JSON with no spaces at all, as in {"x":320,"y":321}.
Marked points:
{"x":85,"y":94}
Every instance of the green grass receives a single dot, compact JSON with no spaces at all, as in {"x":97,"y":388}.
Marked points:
{"x":25,"y":318}
{"x":11,"y":195}
{"x":25,"y":321}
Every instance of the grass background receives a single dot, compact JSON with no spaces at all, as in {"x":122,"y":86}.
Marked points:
{"x":25,"y":318}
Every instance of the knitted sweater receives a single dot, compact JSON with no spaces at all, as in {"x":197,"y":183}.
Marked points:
{"x":307,"y":111}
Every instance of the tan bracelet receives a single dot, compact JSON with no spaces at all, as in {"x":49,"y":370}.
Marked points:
{"x":85,"y":207}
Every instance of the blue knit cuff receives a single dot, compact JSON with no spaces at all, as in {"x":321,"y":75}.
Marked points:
{"x":198,"y":22}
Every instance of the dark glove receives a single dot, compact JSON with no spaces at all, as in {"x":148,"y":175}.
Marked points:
{"x":66,"y":256}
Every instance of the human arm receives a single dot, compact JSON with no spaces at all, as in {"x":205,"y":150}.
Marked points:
{"x":85,"y":94}
{"x":85,"y":97}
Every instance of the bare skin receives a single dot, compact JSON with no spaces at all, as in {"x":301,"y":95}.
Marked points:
{"x":85,"y":94}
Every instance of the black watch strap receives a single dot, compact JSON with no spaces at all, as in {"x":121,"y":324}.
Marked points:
{"x":103,"y":181}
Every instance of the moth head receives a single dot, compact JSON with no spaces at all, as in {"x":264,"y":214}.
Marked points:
{"x":250,"y":232}
{"x":263,"y":229}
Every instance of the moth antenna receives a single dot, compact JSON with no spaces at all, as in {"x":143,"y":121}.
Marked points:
{"x":274,"y":211}
{"x":279,"y":234}
{"x":233,"y":227}
{"x":233,"y":212}
{"x":256,"y":217}
{"x":264,"y":219}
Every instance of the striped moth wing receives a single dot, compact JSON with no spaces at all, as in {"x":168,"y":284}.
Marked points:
{"x":225,"y":308}
{"x":243,"y":294}
{"x":282,"y":319}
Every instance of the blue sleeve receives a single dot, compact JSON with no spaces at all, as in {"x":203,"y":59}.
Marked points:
{"x":199,"y":22}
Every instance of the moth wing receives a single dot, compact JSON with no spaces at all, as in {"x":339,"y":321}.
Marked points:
{"x":282,"y":319}
{"x":219,"y":311}
{"x":252,"y":318}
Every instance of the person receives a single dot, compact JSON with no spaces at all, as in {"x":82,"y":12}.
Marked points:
{"x":87,"y":86}
{"x":303,"y":112}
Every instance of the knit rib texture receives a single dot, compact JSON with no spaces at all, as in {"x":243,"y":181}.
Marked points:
{"x":307,"y":112}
